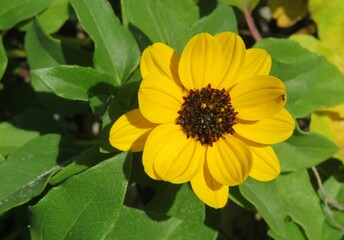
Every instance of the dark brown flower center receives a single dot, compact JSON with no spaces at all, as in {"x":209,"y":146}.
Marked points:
{"x":207,"y":114}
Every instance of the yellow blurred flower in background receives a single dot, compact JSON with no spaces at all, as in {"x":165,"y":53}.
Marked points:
{"x":329,"y":19}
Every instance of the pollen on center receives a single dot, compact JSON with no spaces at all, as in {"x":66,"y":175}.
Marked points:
{"x":207,"y":114}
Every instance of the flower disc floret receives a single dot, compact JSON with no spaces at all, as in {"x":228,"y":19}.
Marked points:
{"x":207,"y":114}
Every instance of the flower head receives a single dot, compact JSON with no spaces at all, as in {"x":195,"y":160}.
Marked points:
{"x":208,"y":116}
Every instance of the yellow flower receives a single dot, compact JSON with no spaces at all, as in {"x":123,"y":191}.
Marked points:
{"x":208,"y":116}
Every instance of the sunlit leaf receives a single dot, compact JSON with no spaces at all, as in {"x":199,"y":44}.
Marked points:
{"x":329,"y":18}
{"x":331,"y":124}
{"x":12,"y":12}
{"x":173,"y":27}
{"x":86,"y":205}
{"x":75,"y":82}
{"x":142,"y":226}
{"x":82,"y":162}
{"x":222,"y":19}
{"x":52,"y":18}
{"x":181,"y":203}
{"x":291,"y":196}
{"x":334,"y":195}
{"x":18,"y":131}
{"x":44,"y":51}
{"x":304,"y":150}
{"x":25,"y":172}
{"x":141,"y":17}
{"x":13,"y":137}
{"x":186,"y":11}
{"x":116,"y":52}
{"x":312,"y":82}
{"x":242,"y":4}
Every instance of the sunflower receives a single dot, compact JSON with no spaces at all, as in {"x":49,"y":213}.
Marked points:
{"x":208,"y":116}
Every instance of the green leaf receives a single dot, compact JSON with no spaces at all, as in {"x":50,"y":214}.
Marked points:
{"x":289,"y":196}
{"x":75,"y":82}
{"x":141,"y":226}
{"x":312,"y":82}
{"x":86,"y":206}
{"x":222,"y":19}
{"x":329,"y":20}
{"x":304,"y":150}
{"x":87,"y":159}
{"x":242,"y":4}
{"x":19,"y":131}
{"x":334,"y":191}
{"x":116,"y":52}
{"x":113,"y":112}
{"x":13,"y":137}
{"x":186,"y":11}
{"x":26,"y":172}
{"x":12,"y":12}
{"x":141,"y":17}
{"x":293,"y":230}
{"x":172,"y":28}
{"x":181,"y":203}
{"x":44,"y":51}
{"x":52,"y":18}
{"x":3,"y":59}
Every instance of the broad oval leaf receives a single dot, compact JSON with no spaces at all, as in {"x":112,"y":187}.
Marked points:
{"x":12,"y":12}
{"x":13,"y":137}
{"x":116,"y":52}
{"x":52,"y":18}
{"x":181,"y":203}
{"x":44,"y":51}
{"x":304,"y":150}
{"x":173,"y":27}
{"x":19,"y":131}
{"x":330,"y":124}
{"x":312,"y":82}
{"x":25,"y":172}
{"x":222,"y":19}
{"x":289,"y":196}
{"x":141,"y":17}
{"x":75,"y":82}
{"x":141,"y":226}
{"x":86,"y":206}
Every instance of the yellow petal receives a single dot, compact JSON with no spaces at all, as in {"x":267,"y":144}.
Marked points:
{"x":257,"y":62}
{"x":258,"y":98}
{"x":201,"y":62}
{"x":160,"y":59}
{"x":159,"y":99}
{"x":229,"y":161}
{"x":171,"y":156}
{"x":233,"y":53}
{"x":265,"y":164}
{"x":130,"y":131}
{"x":267,"y":131}
{"x":209,"y":190}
